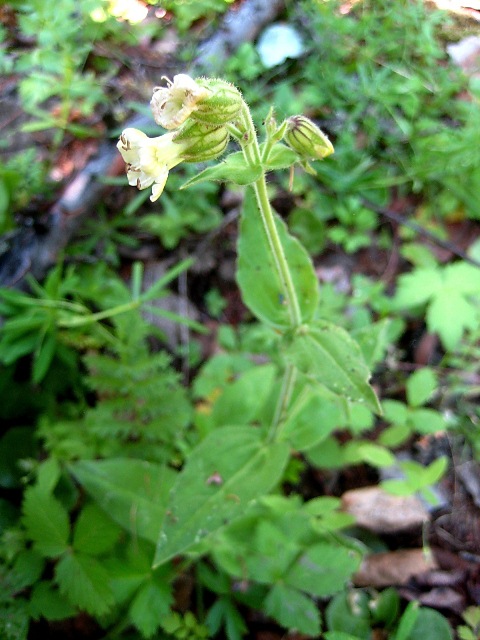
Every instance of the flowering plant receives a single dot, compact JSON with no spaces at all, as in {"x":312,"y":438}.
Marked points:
{"x":236,"y":464}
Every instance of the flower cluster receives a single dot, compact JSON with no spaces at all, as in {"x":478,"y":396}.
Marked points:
{"x":197,"y":113}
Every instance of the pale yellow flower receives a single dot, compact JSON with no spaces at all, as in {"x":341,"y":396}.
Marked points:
{"x":149,"y":160}
{"x":173,"y":104}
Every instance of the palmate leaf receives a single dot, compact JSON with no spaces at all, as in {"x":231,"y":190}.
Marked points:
{"x":230,"y":468}
{"x":293,"y":610}
{"x":327,"y":355}
{"x":95,"y":533}
{"x":85,"y":583}
{"x":150,"y":606}
{"x":323,"y":569}
{"x":46,"y":521}
{"x":261,"y":286}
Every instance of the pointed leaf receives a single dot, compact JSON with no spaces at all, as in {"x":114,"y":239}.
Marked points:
{"x":233,"y":169}
{"x":327,"y":355}
{"x":280,"y":157}
{"x":132,"y":492}
{"x":261,"y":286}
{"x":228,"y":470}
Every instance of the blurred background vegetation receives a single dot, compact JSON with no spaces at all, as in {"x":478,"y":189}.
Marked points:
{"x":115,"y":363}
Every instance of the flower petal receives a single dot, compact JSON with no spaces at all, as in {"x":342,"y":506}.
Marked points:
{"x":173,"y":104}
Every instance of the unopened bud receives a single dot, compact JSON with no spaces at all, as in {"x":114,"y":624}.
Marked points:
{"x":304,"y":137}
{"x":201,"y":142}
{"x":223,"y":104}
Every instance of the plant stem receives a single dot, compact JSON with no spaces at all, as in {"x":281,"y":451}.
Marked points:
{"x":288,"y":383}
{"x":251,"y":151}
{"x":281,"y":264}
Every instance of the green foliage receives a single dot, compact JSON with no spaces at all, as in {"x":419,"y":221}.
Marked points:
{"x":123,"y":468}
{"x":471,"y":630}
{"x":21,"y":177}
{"x":187,"y":11}
{"x":353,"y":615}
{"x":180,"y":216}
{"x":443,"y":289}
{"x":261,"y":285}
{"x":228,"y":470}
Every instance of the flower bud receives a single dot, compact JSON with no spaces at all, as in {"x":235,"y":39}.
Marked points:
{"x":223,"y":104}
{"x":201,"y":142}
{"x":304,"y":137}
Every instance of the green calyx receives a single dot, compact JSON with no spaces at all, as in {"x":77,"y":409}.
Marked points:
{"x":308,"y":140}
{"x":222,"y":107}
{"x":201,"y":142}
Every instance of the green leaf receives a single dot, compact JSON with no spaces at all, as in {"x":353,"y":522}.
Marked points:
{"x":435,"y":470}
{"x":264,"y":564}
{"x":261,"y":286}
{"x":85,"y":582}
{"x":132,"y":492}
{"x":293,"y":610}
{"x":94,"y":532}
{"x":395,"y":412}
{"x":44,"y":356}
{"x":463,"y":277}
{"x":280,"y":157}
{"x":47,"y":602}
{"x":310,"y":420}
{"x":427,"y":421}
{"x":241,"y":401}
{"x":374,"y":340}
{"x":449,"y":315}
{"x":46,"y":521}
{"x":420,"y":386}
{"x":376,"y":455}
{"x":407,"y":622}
{"x":224,"y":611}
{"x":228,"y":470}
{"x":348,"y":613}
{"x":327,"y":355}
{"x":233,"y":169}
{"x":430,"y":625}
{"x":417,"y":287}
{"x":323,"y":569}
{"x":28,"y":568}
{"x":150,"y":605}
